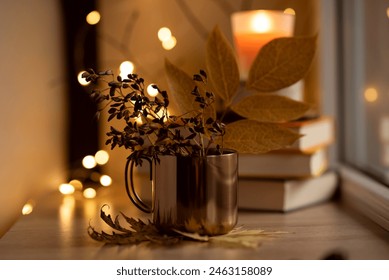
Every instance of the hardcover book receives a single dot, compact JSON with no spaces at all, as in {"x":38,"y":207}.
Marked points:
{"x":281,"y":164}
{"x":285,"y":195}
{"x":317,"y":132}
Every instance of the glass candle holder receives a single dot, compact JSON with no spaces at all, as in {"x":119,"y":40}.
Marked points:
{"x":253,"y":29}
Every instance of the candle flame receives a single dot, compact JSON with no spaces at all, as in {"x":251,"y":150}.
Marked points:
{"x":261,"y":23}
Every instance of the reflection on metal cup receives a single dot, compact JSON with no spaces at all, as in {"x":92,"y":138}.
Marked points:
{"x":196,"y":194}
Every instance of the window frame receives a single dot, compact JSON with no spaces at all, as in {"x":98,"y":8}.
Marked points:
{"x":359,"y":190}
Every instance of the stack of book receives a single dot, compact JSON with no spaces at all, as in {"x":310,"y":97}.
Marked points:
{"x":290,"y":178}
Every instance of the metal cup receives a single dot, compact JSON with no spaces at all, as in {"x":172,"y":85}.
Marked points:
{"x":192,"y":194}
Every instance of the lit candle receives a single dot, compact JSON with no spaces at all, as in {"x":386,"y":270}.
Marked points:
{"x":253,"y":29}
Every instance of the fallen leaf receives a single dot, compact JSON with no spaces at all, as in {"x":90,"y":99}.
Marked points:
{"x":270,"y":108}
{"x":195,"y":236}
{"x":222,"y":67}
{"x":281,"y":63}
{"x":249,"y":136}
{"x":140,"y":232}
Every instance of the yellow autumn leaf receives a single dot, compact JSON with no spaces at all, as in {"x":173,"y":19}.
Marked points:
{"x":249,"y":136}
{"x":222,"y":66}
{"x":182,"y":102}
{"x":281,"y":63}
{"x":270,"y":108}
{"x":181,"y":85}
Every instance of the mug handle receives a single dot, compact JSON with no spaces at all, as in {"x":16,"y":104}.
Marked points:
{"x":134,"y":197}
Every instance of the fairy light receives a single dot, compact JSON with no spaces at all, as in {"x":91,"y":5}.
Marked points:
{"x":102,"y":157}
{"x":89,"y":193}
{"x":371,"y":94}
{"x":164,"y":34}
{"x":66,"y":189}
{"x":152,"y":91}
{"x":77,"y":184}
{"x":81,"y":80}
{"x":105,"y":180}
{"x":93,"y":17}
{"x":89,"y":162}
{"x":169,"y":44}
{"x":290,"y":11}
{"x":126,"y":67}
{"x":28,"y":208}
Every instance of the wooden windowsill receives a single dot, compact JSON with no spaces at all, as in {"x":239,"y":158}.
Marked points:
{"x":57,"y":229}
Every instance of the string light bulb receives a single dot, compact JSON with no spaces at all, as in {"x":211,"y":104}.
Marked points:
{"x":89,"y":162}
{"x":290,"y":11}
{"x":89,"y":193}
{"x":66,"y":189}
{"x":164,"y":34}
{"x":151,"y":90}
{"x":93,"y":18}
{"x":371,"y":94}
{"x":169,"y":44}
{"x":105,"y":180}
{"x":126,"y":67}
{"x":28,"y":208}
{"x":101,"y":157}
{"x":77,"y":184}
{"x":81,"y":80}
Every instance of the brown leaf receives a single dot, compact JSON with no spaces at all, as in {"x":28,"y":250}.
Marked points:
{"x":270,"y":108}
{"x":249,"y":136}
{"x":181,"y":86}
{"x":181,"y":100}
{"x":222,"y":67}
{"x":281,"y":63}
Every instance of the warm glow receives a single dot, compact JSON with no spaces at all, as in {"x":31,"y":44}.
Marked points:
{"x":101,"y":157}
{"x":164,"y":34}
{"x":93,"y":17}
{"x":77,"y":184}
{"x":66,"y":217}
{"x":126,"y":67}
{"x":27,"y":208}
{"x":371,"y":94}
{"x":81,"y":80}
{"x":387,"y":12}
{"x":89,"y":162}
{"x":89,"y":193}
{"x":169,"y":44}
{"x":261,"y":23}
{"x":152,"y":91}
{"x":66,"y":189}
{"x":105,"y":180}
{"x":290,"y":11}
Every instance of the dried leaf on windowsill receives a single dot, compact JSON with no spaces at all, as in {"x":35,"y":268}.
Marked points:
{"x":139,"y":232}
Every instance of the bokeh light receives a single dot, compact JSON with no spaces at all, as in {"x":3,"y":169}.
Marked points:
{"x":81,"y":80}
{"x":89,"y":162}
{"x":89,"y":193}
{"x":102,"y":157}
{"x":93,"y":17}
{"x":66,"y":189}
{"x":105,"y":180}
